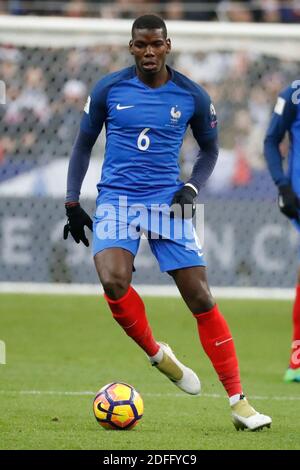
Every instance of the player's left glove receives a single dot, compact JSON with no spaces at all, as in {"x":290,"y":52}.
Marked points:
{"x":185,"y":198}
{"x":288,"y":202}
{"x":77,"y":220}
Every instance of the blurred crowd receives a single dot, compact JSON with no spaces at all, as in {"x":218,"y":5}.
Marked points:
{"x":47,"y":89}
{"x":286,"y":11}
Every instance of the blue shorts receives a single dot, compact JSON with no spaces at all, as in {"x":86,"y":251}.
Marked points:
{"x":173,"y":241}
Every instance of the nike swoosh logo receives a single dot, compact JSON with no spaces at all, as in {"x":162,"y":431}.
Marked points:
{"x":218,"y":343}
{"x":119,"y":107}
{"x":106,"y":411}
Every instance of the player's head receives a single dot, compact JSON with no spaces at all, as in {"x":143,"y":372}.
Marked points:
{"x":149,"y":22}
{"x":149,"y":44}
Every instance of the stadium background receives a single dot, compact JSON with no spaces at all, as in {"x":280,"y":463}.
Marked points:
{"x":247,"y":242}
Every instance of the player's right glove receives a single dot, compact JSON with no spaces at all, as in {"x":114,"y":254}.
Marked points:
{"x":288,"y":202}
{"x":185,"y":198}
{"x":77,"y":219}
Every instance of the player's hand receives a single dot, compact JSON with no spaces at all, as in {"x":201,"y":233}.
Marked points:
{"x":77,"y":220}
{"x":185,"y":198}
{"x":288,"y":202}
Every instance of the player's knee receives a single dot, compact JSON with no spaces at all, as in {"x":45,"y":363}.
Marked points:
{"x":115,"y":284}
{"x":202,"y":304}
{"x":201,"y":301}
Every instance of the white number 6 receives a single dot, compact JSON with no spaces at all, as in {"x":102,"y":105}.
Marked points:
{"x":143,"y":141}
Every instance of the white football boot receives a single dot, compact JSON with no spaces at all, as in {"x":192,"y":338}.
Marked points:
{"x":180,"y":375}
{"x":245,"y":417}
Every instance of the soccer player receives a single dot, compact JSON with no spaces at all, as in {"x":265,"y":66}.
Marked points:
{"x":146,"y":109}
{"x":286,"y":119}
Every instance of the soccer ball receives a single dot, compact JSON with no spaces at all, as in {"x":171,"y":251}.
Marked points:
{"x":118,"y":406}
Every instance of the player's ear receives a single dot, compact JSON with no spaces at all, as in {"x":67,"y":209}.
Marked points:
{"x":169,"y":45}
{"x":130,"y":46}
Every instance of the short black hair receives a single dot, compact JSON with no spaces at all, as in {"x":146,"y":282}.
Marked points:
{"x":149,"y":22}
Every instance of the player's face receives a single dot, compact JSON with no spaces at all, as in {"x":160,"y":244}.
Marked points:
{"x":149,"y":48}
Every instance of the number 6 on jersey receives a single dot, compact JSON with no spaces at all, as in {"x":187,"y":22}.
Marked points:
{"x":143,"y":141}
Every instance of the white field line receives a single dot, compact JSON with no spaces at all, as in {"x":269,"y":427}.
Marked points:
{"x":147,"y":290}
{"x":147,"y":394}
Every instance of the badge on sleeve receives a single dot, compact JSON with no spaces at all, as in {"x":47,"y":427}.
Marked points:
{"x":279,"y":106}
{"x":87,"y":105}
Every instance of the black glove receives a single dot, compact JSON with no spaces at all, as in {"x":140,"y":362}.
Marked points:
{"x":288,"y":202}
{"x":185,"y":197}
{"x":77,"y":219}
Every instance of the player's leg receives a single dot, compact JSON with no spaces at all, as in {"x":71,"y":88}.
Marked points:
{"x":292,"y":374}
{"x":218,"y":343}
{"x":213,"y":330}
{"x":114,"y":267}
{"x":176,"y":256}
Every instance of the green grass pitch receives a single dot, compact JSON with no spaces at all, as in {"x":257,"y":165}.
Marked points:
{"x":62,"y":349}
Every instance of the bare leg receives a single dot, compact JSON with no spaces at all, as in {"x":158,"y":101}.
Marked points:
{"x":114,"y":267}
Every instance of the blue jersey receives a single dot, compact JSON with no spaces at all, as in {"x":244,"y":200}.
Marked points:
{"x":144,"y":132}
{"x":285,"y":118}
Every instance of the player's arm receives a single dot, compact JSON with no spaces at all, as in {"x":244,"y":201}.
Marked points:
{"x":282,"y":119}
{"x":204,"y":128}
{"x":90,"y":128}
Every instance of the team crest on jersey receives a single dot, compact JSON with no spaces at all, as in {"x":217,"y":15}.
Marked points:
{"x":175,"y":114}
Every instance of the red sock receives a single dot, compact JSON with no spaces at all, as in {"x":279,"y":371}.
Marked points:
{"x":129,"y":312}
{"x":218,"y":344}
{"x":295,"y":354}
